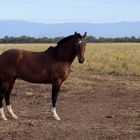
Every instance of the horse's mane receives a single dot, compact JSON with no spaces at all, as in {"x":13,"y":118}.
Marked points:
{"x":64,"y":40}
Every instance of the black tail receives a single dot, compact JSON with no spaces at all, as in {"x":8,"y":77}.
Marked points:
{"x":0,"y":84}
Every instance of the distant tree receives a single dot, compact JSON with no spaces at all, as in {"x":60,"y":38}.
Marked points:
{"x":90,"y":39}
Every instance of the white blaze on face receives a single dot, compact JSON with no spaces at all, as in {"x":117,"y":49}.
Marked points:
{"x":80,"y":42}
{"x":2,"y":114}
{"x":9,"y":108}
{"x":53,"y":110}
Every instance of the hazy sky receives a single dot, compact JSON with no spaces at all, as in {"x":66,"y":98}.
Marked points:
{"x":54,"y":11}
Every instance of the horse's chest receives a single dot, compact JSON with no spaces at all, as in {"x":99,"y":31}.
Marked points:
{"x":65,"y":76}
{"x":61,"y":73}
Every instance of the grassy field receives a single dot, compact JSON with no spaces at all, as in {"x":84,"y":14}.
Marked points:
{"x":101,"y":58}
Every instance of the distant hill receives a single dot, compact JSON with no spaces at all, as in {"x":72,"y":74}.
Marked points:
{"x":19,"y":28}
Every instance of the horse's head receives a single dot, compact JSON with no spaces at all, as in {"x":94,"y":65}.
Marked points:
{"x":79,"y":47}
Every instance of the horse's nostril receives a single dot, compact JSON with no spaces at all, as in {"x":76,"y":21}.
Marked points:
{"x":81,"y":60}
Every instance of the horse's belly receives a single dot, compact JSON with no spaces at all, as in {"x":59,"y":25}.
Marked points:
{"x":35,"y":78}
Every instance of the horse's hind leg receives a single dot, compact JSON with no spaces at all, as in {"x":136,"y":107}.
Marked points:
{"x":2,"y":115}
{"x":9,"y":107}
{"x":7,"y":99}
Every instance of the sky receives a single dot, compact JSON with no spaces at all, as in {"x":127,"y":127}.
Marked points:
{"x":64,"y":11}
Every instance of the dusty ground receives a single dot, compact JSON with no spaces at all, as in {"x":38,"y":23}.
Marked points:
{"x":91,"y":107}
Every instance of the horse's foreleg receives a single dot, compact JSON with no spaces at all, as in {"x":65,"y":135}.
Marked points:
{"x":55,"y":92}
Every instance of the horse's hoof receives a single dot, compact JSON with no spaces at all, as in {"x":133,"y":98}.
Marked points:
{"x":4,"y":118}
{"x":15,"y":117}
{"x":57,"y":118}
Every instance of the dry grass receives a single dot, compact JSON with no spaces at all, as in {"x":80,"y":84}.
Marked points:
{"x":109,"y":58}
{"x":114,"y":59}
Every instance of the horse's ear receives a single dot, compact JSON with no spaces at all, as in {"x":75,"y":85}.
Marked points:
{"x":85,"y":35}
{"x":75,"y":33}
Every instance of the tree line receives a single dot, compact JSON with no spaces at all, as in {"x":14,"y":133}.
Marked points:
{"x":90,"y":39}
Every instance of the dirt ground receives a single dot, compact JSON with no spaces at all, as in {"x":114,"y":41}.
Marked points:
{"x":91,"y":107}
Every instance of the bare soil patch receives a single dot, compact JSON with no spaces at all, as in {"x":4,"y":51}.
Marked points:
{"x":91,"y":107}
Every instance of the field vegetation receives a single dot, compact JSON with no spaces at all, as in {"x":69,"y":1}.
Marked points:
{"x":101,"y":58}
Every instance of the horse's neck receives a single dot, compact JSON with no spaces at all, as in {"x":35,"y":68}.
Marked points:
{"x":66,"y":53}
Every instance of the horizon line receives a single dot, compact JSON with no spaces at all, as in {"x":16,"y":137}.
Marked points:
{"x":68,"y":22}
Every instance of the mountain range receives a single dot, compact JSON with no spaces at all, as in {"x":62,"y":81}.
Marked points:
{"x":18,"y":28}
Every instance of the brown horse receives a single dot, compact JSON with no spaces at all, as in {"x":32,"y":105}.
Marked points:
{"x":51,"y":66}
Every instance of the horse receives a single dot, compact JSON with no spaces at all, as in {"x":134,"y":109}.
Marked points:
{"x":51,"y":66}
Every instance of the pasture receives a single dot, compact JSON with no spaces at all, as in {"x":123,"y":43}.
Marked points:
{"x":99,"y":101}
{"x":101,"y":58}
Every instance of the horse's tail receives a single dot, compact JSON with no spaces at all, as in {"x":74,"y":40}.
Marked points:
{"x":0,"y":84}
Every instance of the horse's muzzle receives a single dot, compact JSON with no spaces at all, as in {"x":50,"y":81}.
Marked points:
{"x":81,"y":60}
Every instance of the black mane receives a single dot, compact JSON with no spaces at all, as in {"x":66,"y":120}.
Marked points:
{"x":64,"y":40}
